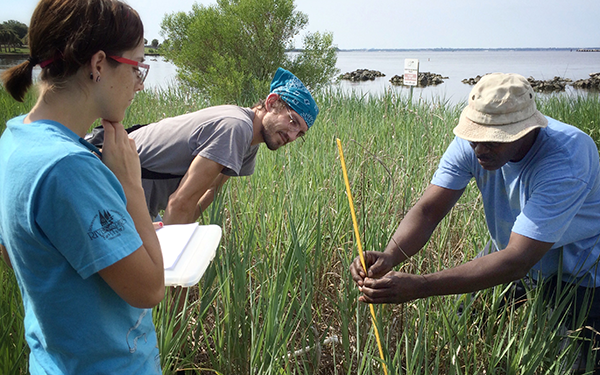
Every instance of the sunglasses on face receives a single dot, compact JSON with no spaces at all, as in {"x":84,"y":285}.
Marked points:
{"x":295,"y":123}
{"x":141,"y":71}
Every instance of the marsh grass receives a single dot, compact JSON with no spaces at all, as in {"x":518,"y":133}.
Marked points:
{"x":280,"y":280}
{"x":13,"y":347}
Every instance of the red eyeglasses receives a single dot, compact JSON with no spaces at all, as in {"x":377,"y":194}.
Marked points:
{"x":142,"y":69}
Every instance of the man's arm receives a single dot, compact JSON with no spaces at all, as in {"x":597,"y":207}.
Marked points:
{"x":210,"y":194}
{"x":182,"y":207}
{"x":510,"y":264}
{"x":412,"y":234}
{"x":418,"y":225}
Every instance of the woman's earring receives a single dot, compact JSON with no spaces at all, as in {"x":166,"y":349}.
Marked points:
{"x":92,"y":76}
{"x":98,"y":78}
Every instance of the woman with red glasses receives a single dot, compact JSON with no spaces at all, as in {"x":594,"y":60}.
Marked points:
{"x":74,"y":223}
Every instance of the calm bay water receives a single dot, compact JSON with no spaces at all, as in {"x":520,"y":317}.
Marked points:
{"x":456,"y":65}
{"x":459,"y":65}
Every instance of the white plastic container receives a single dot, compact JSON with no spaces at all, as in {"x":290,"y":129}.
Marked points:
{"x":192,"y":256}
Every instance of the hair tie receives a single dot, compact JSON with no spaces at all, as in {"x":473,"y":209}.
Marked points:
{"x":33,"y":60}
{"x":43,"y":64}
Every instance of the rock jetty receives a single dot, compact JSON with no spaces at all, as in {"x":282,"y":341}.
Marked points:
{"x":549,"y":85}
{"x":472,"y":81}
{"x":592,"y":83}
{"x":362,"y":75}
{"x":553,"y":85}
{"x":423,"y":79}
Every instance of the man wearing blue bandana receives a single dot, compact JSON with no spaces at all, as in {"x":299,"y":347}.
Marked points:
{"x":187,"y":158}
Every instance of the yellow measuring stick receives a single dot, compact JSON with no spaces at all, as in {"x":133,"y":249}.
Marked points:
{"x":360,"y":250}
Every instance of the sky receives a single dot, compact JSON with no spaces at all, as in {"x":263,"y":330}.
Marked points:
{"x":401,"y":24}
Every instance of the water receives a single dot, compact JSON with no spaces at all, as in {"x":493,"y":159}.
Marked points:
{"x":456,"y":65}
{"x":162,"y":74}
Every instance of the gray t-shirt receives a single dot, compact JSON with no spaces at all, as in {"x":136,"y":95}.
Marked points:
{"x":222,"y":134}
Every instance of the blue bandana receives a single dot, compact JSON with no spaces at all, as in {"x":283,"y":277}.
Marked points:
{"x":295,"y":94}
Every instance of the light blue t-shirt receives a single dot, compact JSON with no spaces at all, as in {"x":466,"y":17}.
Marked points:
{"x":63,"y":218}
{"x":551,"y":195}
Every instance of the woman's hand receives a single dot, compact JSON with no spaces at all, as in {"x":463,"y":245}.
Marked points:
{"x":120,"y":155}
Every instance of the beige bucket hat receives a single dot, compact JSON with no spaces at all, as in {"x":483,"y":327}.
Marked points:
{"x":501,"y":109}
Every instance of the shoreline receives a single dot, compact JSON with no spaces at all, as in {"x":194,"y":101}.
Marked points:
{"x":572,"y":49}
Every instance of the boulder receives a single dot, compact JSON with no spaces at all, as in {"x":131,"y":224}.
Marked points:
{"x":423,"y":79}
{"x":362,"y":75}
{"x":592,"y":83}
{"x":473,"y":80}
{"x":549,"y":85}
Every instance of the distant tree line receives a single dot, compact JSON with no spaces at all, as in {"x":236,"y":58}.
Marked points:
{"x":154,"y":43}
{"x":13,"y":34}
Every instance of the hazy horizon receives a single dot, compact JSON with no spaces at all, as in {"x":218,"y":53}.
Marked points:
{"x":427,"y":24}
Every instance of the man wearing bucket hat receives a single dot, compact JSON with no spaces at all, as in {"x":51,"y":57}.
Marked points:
{"x":186,"y":159}
{"x":540,"y":184}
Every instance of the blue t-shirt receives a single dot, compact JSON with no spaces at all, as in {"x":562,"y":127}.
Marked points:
{"x":63,"y":218}
{"x":551,"y":195}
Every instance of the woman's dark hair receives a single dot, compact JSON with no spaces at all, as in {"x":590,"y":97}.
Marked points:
{"x":68,"y":33}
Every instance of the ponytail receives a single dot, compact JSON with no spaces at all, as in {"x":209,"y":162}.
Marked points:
{"x":17,"y":79}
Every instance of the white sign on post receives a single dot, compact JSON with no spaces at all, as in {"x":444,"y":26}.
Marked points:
{"x":411,"y":71}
